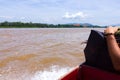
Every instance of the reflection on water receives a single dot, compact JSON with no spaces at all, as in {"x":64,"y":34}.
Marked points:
{"x":27,"y":52}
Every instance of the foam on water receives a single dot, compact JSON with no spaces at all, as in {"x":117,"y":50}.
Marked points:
{"x":54,"y":73}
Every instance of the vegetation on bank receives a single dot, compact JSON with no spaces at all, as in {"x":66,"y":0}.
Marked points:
{"x":42,"y":25}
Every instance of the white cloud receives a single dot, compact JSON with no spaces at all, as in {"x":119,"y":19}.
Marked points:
{"x":22,"y":17}
{"x":7,"y":17}
{"x":75,"y":15}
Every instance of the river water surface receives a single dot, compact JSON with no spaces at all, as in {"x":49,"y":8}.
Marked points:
{"x":40,"y":54}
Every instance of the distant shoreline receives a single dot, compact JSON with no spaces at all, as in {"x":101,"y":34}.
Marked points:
{"x":43,"y":25}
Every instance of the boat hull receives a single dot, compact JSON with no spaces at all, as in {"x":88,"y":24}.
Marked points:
{"x":72,"y":75}
{"x":85,"y":72}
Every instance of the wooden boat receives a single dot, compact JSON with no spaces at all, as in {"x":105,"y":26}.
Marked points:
{"x":85,"y":72}
{"x":72,"y":75}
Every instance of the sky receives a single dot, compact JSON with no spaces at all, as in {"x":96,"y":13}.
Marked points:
{"x":97,"y":12}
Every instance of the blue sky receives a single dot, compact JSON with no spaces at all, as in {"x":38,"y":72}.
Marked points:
{"x":98,"y":12}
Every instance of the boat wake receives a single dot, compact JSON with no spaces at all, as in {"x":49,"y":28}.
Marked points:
{"x":54,"y":73}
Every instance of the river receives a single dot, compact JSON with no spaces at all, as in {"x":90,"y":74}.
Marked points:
{"x":40,"y":53}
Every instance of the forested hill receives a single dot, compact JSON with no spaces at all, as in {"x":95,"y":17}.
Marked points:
{"x":42,"y":25}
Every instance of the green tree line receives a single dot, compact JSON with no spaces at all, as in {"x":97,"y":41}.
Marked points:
{"x":7,"y":24}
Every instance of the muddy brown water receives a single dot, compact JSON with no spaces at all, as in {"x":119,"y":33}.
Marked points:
{"x":23,"y":52}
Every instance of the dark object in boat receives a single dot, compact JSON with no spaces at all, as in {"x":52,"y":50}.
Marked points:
{"x":96,"y":52}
